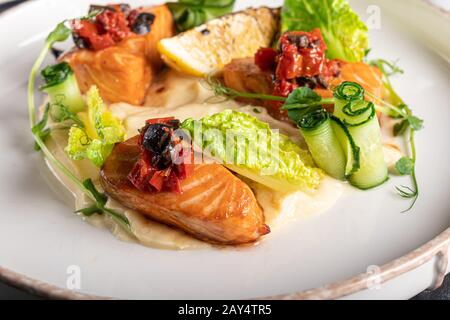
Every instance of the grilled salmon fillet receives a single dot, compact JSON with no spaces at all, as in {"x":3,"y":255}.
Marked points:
{"x":124,"y":72}
{"x":121,"y":73}
{"x":163,"y":27}
{"x":245,"y":76}
{"x":215,"y":205}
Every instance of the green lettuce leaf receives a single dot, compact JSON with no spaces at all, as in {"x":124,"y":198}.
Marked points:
{"x":345,"y":34}
{"x":250,"y":148}
{"x":100,"y":133}
{"x":78,"y":143}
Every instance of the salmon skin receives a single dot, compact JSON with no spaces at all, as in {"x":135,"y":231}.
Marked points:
{"x":124,"y":72}
{"x":215,"y":205}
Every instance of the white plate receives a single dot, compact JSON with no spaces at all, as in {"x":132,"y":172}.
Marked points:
{"x":41,"y":238}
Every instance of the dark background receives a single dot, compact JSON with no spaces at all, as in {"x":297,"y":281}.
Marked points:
{"x":8,"y":292}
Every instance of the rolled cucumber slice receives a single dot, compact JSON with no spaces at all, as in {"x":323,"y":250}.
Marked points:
{"x":360,"y":119}
{"x":67,"y":93}
{"x":62,"y":87}
{"x":348,"y":145}
{"x":324,"y":145}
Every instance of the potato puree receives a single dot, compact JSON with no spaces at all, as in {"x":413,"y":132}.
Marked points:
{"x":183,"y":97}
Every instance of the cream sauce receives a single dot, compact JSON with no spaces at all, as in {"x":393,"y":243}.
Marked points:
{"x":186,"y":97}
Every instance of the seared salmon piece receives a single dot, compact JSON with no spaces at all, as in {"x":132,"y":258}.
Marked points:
{"x":124,"y":72}
{"x":368,"y":76}
{"x":245,"y":76}
{"x":163,"y":27}
{"x":215,"y":205}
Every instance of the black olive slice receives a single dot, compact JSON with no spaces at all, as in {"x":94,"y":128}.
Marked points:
{"x":301,"y":41}
{"x":143,"y":23}
{"x":80,"y":42}
{"x":95,"y":7}
{"x":162,"y":161}
{"x":157,"y":138}
{"x":56,"y":52}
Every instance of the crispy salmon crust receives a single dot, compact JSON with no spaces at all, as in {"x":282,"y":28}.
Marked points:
{"x":215,"y":205}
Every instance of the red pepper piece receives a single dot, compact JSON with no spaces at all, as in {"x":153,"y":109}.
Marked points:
{"x":265,"y":59}
{"x":157,"y":180}
{"x":90,"y":32}
{"x":147,"y":178}
{"x":160,"y":120}
{"x":115,"y":24}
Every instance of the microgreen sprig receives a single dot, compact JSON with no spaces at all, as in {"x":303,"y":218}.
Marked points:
{"x":191,"y":13}
{"x":230,"y":94}
{"x":408,"y":124}
{"x":99,"y":206}
{"x":40,"y":132}
{"x":59,"y":112}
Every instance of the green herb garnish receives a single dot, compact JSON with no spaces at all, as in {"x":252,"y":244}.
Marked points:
{"x":306,"y":100}
{"x":230,"y":94}
{"x":59,"y":112}
{"x":405,"y":166}
{"x":55,"y":74}
{"x":408,"y":124}
{"x":59,"y":34}
{"x":99,"y":207}
{"x":191,"y":13}
{"x":40,"y":129}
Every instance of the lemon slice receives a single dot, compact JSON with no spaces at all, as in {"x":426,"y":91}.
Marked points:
{"x":206,"y":49}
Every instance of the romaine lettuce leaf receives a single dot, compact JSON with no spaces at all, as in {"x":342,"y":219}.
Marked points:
{"x":344,"y":32}
{"x":100,"y":133}
{"x":250,"y":148}
{"x":78,"y":143}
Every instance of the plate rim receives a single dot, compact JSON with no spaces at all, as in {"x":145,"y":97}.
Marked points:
{"x":438,"y":247}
